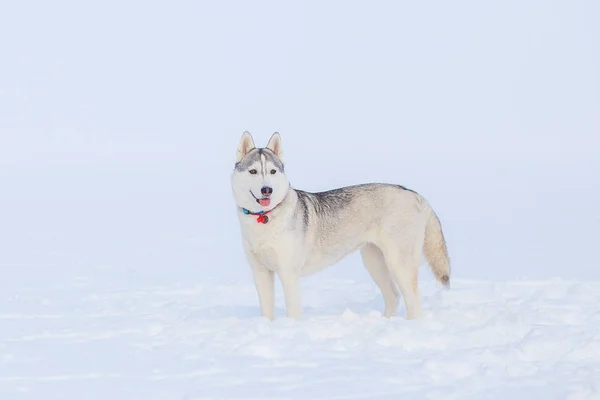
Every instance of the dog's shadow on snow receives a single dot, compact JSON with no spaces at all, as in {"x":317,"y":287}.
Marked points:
{"x":361,"y":308}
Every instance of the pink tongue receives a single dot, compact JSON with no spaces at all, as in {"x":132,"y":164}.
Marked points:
{"x":264,"y":202}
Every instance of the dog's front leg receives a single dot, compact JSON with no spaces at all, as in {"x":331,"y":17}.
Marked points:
{"x":290,"y":281}
{"x":264,"y":280}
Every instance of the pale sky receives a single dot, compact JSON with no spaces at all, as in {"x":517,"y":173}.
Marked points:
{"x":502,"y":79}
{"x":119,"y":122}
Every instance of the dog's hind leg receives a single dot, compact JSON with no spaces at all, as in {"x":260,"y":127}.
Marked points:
{"x":405,"y":270}
{"x":401,"y":257}
{"x":375,"y":263}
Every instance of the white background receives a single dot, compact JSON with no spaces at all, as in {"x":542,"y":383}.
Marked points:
{"x":119,"y":124}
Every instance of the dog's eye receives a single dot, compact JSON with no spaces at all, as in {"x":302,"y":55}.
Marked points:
{"x":252,"y":171}
{"x":273,"y":172}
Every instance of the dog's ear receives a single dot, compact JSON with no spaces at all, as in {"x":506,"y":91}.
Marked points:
{"x":246,"y":144}
{"x":275,"y":145}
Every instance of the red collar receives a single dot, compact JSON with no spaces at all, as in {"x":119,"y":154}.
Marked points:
{"x":262,"y":215}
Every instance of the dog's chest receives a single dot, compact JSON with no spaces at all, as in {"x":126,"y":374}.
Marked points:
{"x":267,"y":251}
{"x":271,"y":247}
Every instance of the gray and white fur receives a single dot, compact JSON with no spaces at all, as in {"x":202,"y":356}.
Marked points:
{"x":305,"y":232}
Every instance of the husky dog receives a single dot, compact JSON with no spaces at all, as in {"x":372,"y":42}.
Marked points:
{"x":294,"y":233}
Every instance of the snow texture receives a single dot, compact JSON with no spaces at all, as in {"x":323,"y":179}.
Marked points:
{"x":88,"y":339}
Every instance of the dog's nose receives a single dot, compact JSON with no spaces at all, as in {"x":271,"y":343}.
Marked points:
{"x":266,"y":191}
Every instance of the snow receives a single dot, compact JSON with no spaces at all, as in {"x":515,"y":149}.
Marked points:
{"x":122,"y":274}
{"x":88,"y":337}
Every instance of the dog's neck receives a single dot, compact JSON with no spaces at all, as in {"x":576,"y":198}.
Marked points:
{"x":262,"y":215}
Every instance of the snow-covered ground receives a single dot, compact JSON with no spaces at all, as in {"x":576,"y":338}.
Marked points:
{"x":87,"y":337}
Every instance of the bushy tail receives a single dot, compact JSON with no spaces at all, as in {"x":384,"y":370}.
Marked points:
{"x":436,"y":251}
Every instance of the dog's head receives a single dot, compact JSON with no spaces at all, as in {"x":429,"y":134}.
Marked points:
{"x":258,"y":180}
